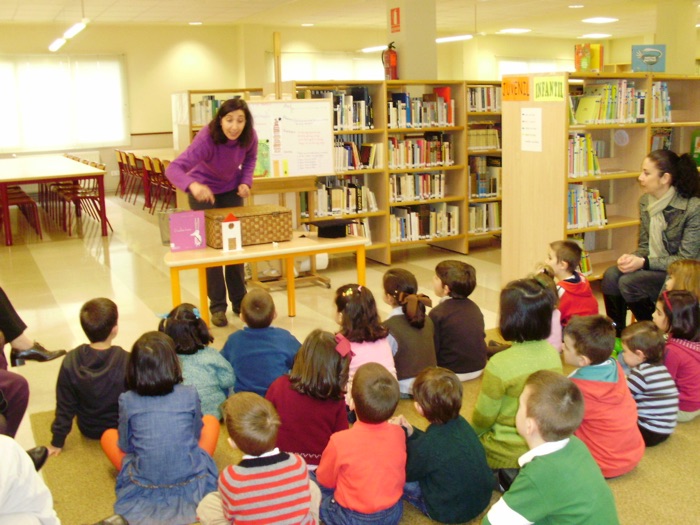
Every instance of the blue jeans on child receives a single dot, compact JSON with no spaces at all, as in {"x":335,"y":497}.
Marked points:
{"x":332,"y":513}
{"x":414,"y":495}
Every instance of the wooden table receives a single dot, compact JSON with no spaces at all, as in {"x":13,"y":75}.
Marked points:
{"x":303,"y":244}
{"x":38,"y":169}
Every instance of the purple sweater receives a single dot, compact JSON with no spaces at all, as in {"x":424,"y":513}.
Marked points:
{"x":222,"y":167}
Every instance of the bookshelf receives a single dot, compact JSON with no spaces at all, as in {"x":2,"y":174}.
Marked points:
{"x":484,"y":160}
{"x":538,"y":125}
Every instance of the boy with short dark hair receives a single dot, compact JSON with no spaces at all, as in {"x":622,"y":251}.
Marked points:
{"x":550,"y":409}
{"x":91,"y":378}
{"x":575,"y":294}
{"x":259,"y":353}
{"x":459,"y":332}
{"x":266,"y":485}
{"x":362,"y":470}
{"x":609,"y":426}
{"x":447,"y":476}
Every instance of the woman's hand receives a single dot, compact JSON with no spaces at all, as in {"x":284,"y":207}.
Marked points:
{"x":244,"y":191}
{"x":201,"y":192}
{"x":628,"y":263}
{"x":401,"y":421}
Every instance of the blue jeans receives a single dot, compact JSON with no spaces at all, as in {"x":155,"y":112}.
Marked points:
{"x":414,"y":495}
{"x":332,"y":513}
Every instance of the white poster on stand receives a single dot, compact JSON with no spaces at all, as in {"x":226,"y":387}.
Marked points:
{"x":531,"y":129}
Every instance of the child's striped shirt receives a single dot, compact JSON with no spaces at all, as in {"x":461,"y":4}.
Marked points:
{"x":656,"y":395}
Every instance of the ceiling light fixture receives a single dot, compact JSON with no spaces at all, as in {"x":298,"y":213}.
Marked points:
{"x":576,"y":6}
{"x":373,"y":49}
{"x":71,"y":31}
{"x":307,"y":25}
{"x":599,"y":20}
{"x":596,"y":35}
{"x":455,"y":38}
{"x":513,"y":31}
{"x":194,"y":23}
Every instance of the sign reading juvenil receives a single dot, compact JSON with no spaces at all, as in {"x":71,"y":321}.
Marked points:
{"x":515,"y":88}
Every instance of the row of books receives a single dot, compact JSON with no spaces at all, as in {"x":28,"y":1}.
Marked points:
{"x":423,"y":221}
{"x":419,"y":152}
{"x":661,"y":138}
{"x":484,"y":176}
{"x":203,"y":110}
{"x":660,"y":102}
{"x":484,"y":99}
{"x":485,"y":217}
{"x":405,"y":187}
{"x":360,"y":228}
{"x":586,"y":242}
{"x":352,"y":108}
{"x":583,"y":160}
{"x":482,"y":139}
{"x":338,"y":197}
{"x":347,"y":156}
{"x":609,"y":102}
{"x":434,"y":109}
{"x":586,"y":207}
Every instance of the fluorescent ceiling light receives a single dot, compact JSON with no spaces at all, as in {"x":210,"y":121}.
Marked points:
{"x":195,"y":23}
{"x":455,"y":38}
{"x":576,"y":6}
{"x":75,"y":29}
{"x":513,"y":31}
{"x":307,"y":25}
{"x":373,"y":49}
{"x":599,"y":20}
{"x":57,"y":44}
{"x":596,"y":35}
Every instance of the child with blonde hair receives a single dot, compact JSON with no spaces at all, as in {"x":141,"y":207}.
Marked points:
{"x":684,"y":274}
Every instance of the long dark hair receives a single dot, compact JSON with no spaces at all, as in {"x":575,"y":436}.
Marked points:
{"x":187,"y":329}
{"x":525,"y":311}
{"x":153,"y":368}
{"x":683,"y":171}
{"x":403,"y":287}
{"x":360,"y":320}
{"x":681,"y":309}
{"x":319,"y":371}
{"x":232,"y":104}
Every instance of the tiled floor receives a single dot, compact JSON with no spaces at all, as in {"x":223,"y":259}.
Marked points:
{"x":49,"y":280}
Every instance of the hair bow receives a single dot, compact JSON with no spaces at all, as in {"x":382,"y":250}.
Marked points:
{"x":195,"y":311}
{"x":342,"y":345}
{"x":664,"y":294}
{"x":411,"y":301}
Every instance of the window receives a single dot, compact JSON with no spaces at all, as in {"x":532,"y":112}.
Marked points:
{"x":50,"y":102}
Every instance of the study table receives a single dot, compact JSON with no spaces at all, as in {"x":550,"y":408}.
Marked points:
{"x":303,"y":244}
{"x":39,"y":169}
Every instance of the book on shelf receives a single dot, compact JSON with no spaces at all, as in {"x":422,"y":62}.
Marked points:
{"x":484,"y":217}
{"x":661,"y":138}
{"x":588,"y":57}
{"x":483,"y":136}
{"x":583,"y":160}
{"x":445,"y":93}
{"x":588,"y":109}
{"x":585,"y":266}
{"x":406,"y":187}
{"x":660,"y":102}
{"x":695,"y":147}
{"x":423,"y":222}
{"x":484,"y":176}
{"x":368,"y":153}
{"x":419,"y":151}
{"x":364,"y":99}
{"x":484,"y":99}
{"x":586,"y":207}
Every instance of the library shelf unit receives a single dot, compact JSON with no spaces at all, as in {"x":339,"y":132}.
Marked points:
{"x":484,"y":160}
{"x":537,"y":178}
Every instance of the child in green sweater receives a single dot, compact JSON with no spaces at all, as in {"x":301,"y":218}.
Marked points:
{"x":550,"y":410}
{"x":525,"y":321}
{"x":447,"y":477}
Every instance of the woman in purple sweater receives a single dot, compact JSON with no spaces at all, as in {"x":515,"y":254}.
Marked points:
{"x":216,"y":171}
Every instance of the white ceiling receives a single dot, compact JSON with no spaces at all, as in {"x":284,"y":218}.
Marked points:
{"x":549,"y":18}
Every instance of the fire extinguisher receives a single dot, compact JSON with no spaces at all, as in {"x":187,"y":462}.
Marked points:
{"x":390,"y":60}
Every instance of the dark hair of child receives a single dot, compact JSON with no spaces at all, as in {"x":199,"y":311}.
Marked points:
{"x":258,"y":308}
{"x":375,"y":393}
{"x":360,"y":320}
{"x":546,"y":279}
{"x":403,"y":287}
{"x":681,"y":309}
{"x":593,"y":336}
{"x":319,"y":371}
{"x":98,"y":317}
{"x":569,"y":252}
{"x":438,"y":391}
{"x":458,"y":276}
{"x":646,"y":337}
{"x":525,"y":311}
{"x":683,"y":171}
{"x":189,"y":331}
{"x":555,"y":403}
{"x":153,"y":368}
{"x":252,"y":422}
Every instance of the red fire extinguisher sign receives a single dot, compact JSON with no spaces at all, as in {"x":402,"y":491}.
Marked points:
{"x":395,"y":20}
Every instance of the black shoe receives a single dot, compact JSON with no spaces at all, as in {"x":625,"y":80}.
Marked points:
{"x":35,"y":353}
{"x":616,"y":309}
{"x":113,"y":520}
{"x":38,"y":455}
{"x":219,"y":319}
{"x":642,"y":310}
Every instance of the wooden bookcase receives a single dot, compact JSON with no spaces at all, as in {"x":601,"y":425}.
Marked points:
{"x":536,"y":164}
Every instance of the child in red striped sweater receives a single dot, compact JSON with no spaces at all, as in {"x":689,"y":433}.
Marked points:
{"x":267,"y":485}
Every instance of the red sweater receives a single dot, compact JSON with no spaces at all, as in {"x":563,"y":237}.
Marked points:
{"x":683,"y":362}
{"x":609,"y":427}
{"x":366,"y":466}
{"x":577,"y":299}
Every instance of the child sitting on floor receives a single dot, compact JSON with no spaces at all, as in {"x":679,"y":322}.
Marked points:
{"x":549,"y":411}
{"x":609,"y":426}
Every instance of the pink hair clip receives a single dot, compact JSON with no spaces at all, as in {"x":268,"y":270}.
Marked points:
{"x":668,"y":303}
{"x":342,"y":345}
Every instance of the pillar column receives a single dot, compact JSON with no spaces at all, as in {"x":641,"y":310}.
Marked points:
{"x":675,"y":27}
{"x":411,"y":26}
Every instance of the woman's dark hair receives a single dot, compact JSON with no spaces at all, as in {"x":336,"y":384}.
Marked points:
{"x":683,"y":171}
{"x":525,"y":311}
{"x":232,"y":104}
{"x":360,"y":320}
{"x":187,"y":329}
{"x":153,"y":368}
{"x":319,"y":371}
{"x":403,"y":287}
{"x":681,"y":309}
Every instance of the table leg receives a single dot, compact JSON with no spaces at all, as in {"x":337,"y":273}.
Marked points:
{"x":203,"y":296}
{"x":361,"y":266}
{"x":103,"y":207}
{"x":291,"y":291}
{"x":5,"y":214}
{"x":175,"y":286}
